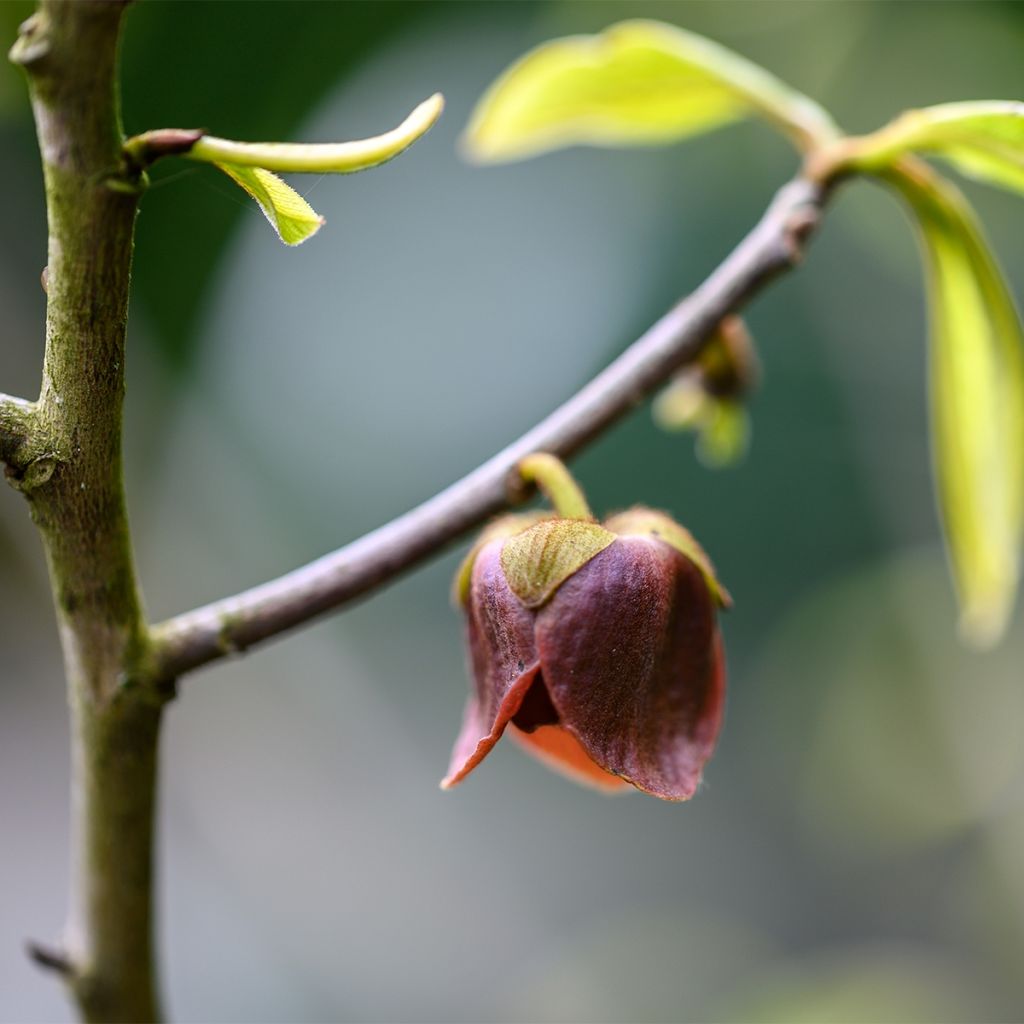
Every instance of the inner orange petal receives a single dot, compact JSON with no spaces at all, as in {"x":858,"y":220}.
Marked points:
{"x":560,"y":750}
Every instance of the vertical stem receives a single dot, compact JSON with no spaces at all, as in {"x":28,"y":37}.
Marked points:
{"x":109,"y":940}
{"x":68,"y":49}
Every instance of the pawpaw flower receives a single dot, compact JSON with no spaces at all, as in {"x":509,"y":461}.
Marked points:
{"x":595,"y":646}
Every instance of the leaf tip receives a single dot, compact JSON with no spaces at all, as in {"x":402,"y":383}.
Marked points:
{"x":308,"y":230}
{"x":429,"y":110}
{"x":983,"y":627}
{"x":291,"y":217}
{"x":418,"y":123}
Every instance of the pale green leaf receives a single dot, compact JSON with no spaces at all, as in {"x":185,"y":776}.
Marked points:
{"x":682,"y":405}
{"x":977,"y":400}
{"x":321,"y":158}
{"x":982,"y":139}
{"x":724,"y":434}
{"x":722,"y":425}
{"x":638,"y":82}
{"x":291,"y":216}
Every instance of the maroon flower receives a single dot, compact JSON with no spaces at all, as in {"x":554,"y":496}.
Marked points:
{"x":597,"y":647}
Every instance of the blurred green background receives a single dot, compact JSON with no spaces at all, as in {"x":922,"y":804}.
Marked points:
{"x":856,"y":851}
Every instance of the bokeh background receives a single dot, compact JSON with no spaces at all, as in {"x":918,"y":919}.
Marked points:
{"x":856,"y":852}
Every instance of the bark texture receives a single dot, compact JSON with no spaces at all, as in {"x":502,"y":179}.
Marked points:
{"x":72,"y":478}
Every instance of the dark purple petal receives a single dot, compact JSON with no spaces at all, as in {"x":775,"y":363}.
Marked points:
{"x":503,"y":660}
{"x":631,"y":657}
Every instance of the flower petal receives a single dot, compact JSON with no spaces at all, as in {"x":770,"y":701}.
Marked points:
{"x":650,"y":522}
{"x":559,"y":749}
{"x":503,"y":661}
{"x":633,"y":662}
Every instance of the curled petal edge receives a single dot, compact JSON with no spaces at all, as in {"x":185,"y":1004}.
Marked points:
{"x":475,"y":740}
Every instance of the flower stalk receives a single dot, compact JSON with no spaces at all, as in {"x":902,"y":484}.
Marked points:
{"x":557,"y":484}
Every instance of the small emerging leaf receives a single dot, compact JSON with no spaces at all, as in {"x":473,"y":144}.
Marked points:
{"x":682,"y":405}
{"x":250,"y":164}
{"x":322,"y":158}
{"x":291,"y":216}
{"x":983,"y":139}
{"x":708,"y":396}
{"x":977,"y":399}
{"x":722,"y":425}
{"x":724,"y":434}
{"x":638,"y":82}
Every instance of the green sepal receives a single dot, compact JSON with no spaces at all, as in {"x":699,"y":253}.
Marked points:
{"x":539,"y":560}
{"x":642,"y":521}
{"x":503,"y":526}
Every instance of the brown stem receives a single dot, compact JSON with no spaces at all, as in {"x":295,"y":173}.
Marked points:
{"x":68,"y":49}
{"x":201,"y":636}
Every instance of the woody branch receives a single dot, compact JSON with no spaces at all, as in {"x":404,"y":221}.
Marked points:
{"x":775,"y":245}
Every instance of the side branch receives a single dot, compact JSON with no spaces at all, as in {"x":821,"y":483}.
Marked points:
{"x":198,"y":637}
{"x":16,"y":417}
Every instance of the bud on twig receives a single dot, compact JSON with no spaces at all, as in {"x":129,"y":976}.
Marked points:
{"x":597,"y":646}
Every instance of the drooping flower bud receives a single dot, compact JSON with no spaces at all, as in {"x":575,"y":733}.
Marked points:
{"x":597,"y":647}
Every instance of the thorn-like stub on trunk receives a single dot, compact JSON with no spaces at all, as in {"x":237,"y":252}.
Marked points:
{"x":36,"y":473}
{"x":33,"y":43}
{"x":50,"y":958}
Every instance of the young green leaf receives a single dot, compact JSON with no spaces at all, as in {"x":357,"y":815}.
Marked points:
{"x":977,"y":400}
{"x":250,"y":164}
{"x":709,"y":395}
{"x":321,"y":158}
{"x":983,"y":139}
{"x":638,"y":82}
{"x":722,"y":424}
{"x":724,"y":435}
{"x":290,"y":215}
